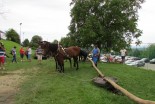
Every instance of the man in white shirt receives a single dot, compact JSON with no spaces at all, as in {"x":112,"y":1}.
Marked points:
{"x":123,"y":54}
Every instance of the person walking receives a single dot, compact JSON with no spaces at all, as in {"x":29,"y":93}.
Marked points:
{"x":22,"y":52}
{"x":123,"y":54}
{"x":95,"y":55}
{"x":39,"y":53}
{"x":2,"y":56}
{"x":14,"y":54}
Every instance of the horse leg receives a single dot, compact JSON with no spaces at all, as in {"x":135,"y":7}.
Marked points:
{"x":63,"y":68}
{"x":56,"y":64}
{"x":77,"y":67}
{"x":70,"y":62}
{"x":62,"y":65}
{"x":76,"y":63}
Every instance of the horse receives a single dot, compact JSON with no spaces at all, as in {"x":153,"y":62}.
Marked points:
{"x":51,"y":49}
{"x":61,"y":53}
{"x":73,"y":52}
{"x":83,"y":55}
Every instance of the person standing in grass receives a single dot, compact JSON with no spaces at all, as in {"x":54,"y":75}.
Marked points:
{"x":39,"y":53}
{"x":22,"y":52}
{"x":26,"y":53}
{"x":29,"y":53}
{"x":14,"y":55}
{"x":96,"y":54}
{"x":2,"y":56}
{"x":123,"y":54}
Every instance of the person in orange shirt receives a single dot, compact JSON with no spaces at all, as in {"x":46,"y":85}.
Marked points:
{"x":22,"y":52}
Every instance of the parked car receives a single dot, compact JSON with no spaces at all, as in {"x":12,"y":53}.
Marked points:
{"x":137,"y":63}
{"x":146,"y":60}
{"x":129,"y":61}
{"x":152,"y":61}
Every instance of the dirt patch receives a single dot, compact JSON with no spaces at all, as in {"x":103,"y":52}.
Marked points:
{"x":9,"y":85}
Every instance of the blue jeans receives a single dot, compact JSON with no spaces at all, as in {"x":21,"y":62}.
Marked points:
{"x":14,"y":58}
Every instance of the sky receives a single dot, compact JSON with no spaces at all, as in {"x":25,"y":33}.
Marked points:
{"x":50,"y":18}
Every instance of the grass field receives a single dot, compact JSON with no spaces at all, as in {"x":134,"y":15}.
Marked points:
{"x":45,"y":86}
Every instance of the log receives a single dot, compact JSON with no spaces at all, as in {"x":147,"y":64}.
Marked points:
{"x":121,"y":89}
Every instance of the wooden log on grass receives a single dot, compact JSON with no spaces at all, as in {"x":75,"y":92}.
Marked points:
{"x":121,"y":89}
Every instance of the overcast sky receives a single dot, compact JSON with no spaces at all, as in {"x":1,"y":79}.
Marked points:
{"x":50,"y":18}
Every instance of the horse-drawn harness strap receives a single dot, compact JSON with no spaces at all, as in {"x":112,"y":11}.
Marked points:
{"x":65,"y":53}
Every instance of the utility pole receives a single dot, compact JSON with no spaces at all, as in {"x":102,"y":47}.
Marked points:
{"x":20,"y":33}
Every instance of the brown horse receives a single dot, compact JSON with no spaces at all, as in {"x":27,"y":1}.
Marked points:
{"x":70,"y":52}
{"x":60,"y":53}
{"x":51,"y":49}
{"x":73,"y":52}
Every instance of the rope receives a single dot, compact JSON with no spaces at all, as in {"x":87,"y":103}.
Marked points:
{"x":124,"y":91}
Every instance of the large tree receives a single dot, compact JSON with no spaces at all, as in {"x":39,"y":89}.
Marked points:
{"x":35,"y":40}
{"x":26,"y":43}
{"x":12,"y":35}
{"x":111,"y":24}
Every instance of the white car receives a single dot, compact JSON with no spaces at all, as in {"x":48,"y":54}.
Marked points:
{"x":129,"y":61}
{"x":152,"y":61}
{"x":137,"y":63}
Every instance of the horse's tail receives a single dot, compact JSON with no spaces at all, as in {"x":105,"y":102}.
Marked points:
{"x":84,"y":54}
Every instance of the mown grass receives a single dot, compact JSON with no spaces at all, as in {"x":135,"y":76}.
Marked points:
{"x":45,"y":86}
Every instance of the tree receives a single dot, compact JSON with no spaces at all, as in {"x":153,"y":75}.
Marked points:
{"x":150,"y":51}
{"x":111,"y":24}
{"x":67,"y":41}
{"x":12,"y":35}
{"x":55,"y":41}
{"x":26,"y":43}
{"x":35,"y":40}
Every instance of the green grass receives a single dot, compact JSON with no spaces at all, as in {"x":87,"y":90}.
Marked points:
{"x":45,"y":86}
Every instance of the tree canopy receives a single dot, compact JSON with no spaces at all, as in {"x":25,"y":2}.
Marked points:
{"x":26,"y":43}
{"x":112,"y":24}
{"x":35,"y":40}
{"x":12,"y":35}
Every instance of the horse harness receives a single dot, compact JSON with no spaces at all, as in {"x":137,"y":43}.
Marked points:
{"x":59,"y":51}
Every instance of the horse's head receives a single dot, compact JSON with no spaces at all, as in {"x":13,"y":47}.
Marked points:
{"x":45,"y":46}
{"x":49,"y":48}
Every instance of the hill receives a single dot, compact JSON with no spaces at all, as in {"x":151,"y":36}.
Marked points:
{"x":9,"y":45}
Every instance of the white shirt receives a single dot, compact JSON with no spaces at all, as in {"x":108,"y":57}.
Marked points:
{"x":123,"y":52}
{"x":29,"y":51}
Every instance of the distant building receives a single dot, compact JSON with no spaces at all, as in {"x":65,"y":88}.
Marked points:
{"x":2,"y":35}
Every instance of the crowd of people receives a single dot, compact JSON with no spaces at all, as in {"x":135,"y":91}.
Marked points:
{"x":23,"y":53}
